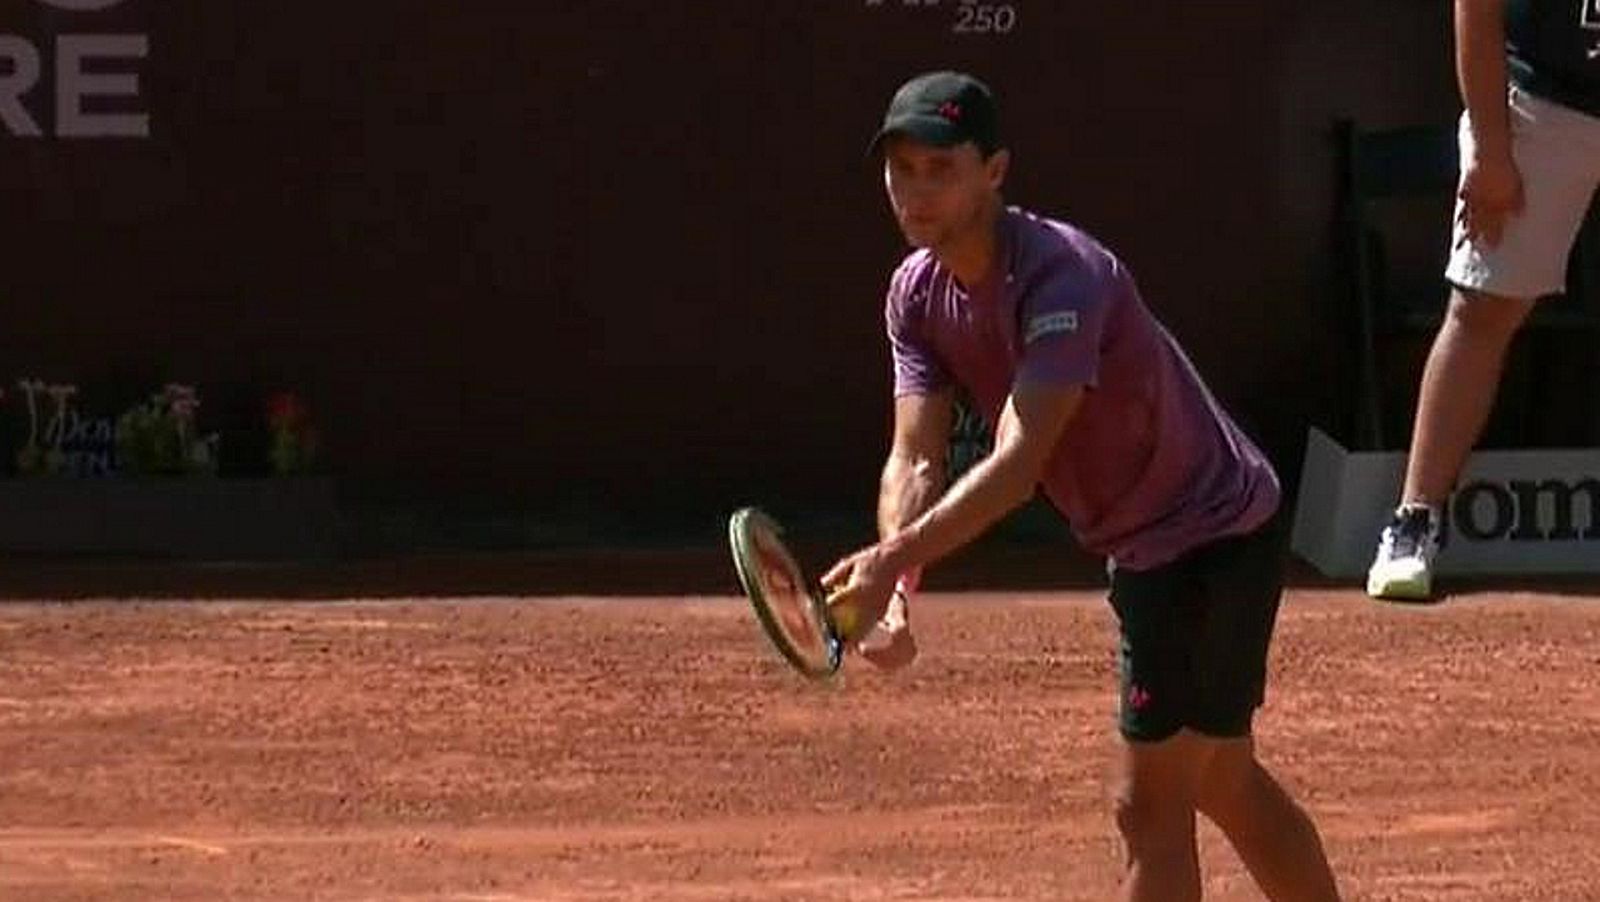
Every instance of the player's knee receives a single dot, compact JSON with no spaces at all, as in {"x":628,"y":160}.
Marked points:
{"x":1228,"y":794}
{"x":1153,"y":824}
{"x":1487,"y":316}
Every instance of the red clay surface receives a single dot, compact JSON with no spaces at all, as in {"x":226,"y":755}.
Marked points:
{"x":498,"y":749}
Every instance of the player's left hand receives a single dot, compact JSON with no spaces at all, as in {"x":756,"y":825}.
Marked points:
{"x":859,"y":587}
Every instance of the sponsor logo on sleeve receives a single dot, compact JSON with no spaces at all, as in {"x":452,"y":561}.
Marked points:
{"x":1051,"y":324}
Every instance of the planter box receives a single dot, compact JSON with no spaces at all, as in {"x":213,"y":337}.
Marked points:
{"x":180,"y":517}
{"x":1515,"y":512}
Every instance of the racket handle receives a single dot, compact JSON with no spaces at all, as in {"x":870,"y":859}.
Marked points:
{"x":842,"y":619}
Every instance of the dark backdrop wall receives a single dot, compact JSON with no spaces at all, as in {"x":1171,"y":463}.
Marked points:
{"x":622,"y":256}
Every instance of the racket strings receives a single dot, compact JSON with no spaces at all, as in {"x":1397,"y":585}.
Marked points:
{"x":788,"y":606}
{"x":783,"y":584}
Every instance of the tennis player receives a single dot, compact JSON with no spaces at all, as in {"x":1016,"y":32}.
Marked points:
{"x":1093,"y":402}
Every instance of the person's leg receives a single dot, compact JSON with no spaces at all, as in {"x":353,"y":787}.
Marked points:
{"x":1155,"y":796}
{"x":1155,"y":808}
{"x":1240,"y":585}
{"x":1458,"y":389}
{"x":1273,"y":835}
{"x":1457,"y":392}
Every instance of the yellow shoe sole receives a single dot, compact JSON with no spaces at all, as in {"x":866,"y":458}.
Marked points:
{"x":1400,"y":589}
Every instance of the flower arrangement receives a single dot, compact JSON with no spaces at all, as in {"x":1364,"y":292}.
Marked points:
{"x":41,"y":454}
{"x":293,"y":444}
{"x":160,"y":437}
{"x":30,"y":457}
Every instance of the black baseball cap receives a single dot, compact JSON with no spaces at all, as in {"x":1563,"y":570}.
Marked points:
{"x":943,"y":109}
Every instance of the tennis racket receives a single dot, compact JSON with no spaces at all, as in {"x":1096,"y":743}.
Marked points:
{"x":790,"y":606}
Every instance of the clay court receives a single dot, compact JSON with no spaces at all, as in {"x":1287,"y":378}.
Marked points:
{"x":578,"y":749}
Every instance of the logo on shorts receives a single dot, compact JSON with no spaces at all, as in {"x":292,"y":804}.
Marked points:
{"x":1138,"y":698}
{"x":1051,"y":324}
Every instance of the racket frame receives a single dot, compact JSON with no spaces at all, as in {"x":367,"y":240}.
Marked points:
{"x":742,"y":543}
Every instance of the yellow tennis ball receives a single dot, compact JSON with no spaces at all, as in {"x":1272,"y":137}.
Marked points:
{"x":844,"y":615}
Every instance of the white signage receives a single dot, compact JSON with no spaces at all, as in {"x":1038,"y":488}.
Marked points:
{"x":1533,"y":511}
{"x":94,"y":81}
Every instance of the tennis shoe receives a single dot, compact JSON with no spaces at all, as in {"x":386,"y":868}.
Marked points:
{"x":1403,"y":567}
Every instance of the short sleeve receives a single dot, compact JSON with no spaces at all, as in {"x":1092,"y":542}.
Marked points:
{"x":917,"y":370}
{"x":1060,"y":326}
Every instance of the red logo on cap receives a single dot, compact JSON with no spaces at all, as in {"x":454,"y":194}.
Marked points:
{"x":950,"y":110}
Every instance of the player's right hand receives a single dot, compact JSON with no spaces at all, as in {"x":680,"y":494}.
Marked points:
{"x":1491,"y":193}
{"x":858,"y":590}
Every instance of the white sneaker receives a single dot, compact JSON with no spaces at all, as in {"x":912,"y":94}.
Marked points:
{"x":1403,"y":568}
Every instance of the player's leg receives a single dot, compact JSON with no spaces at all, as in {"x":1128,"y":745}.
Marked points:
{"x":1495,"y":291}
{"x":1155,"y":798}
{"x":1240,"y":583}
{"x":1274,"y":836}
{"x":1155,"y":813}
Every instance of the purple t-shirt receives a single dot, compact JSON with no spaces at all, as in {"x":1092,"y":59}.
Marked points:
{"x":1151,"y":466}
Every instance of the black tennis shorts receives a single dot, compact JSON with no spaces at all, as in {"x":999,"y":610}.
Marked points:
{"x":1195,"y":635}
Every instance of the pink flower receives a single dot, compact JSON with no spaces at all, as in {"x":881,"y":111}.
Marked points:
{"x":286,"y":411}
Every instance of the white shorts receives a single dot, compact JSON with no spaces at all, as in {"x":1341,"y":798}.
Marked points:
{"x":1557,"y":150}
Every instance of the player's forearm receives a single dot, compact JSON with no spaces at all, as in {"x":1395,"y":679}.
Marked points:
{"x":993,"y":488}
{"x":910,"y":485}
{"x":1481,"y":73}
